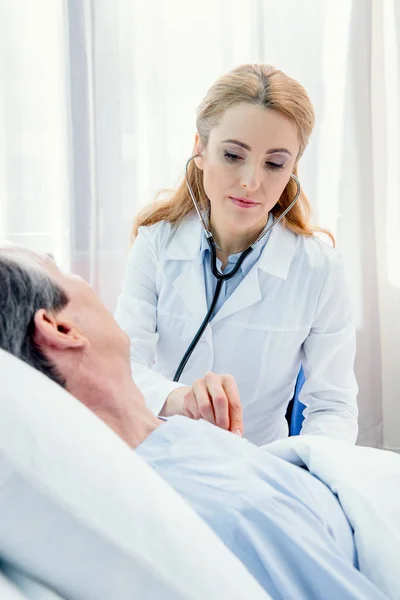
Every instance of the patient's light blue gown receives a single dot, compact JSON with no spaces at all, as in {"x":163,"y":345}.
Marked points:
{"x":285,"y":525}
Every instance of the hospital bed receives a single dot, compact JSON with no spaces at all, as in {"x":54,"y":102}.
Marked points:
{"x":83,"y":518}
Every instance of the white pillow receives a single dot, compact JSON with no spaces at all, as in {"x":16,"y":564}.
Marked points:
{"x":82,"y":513}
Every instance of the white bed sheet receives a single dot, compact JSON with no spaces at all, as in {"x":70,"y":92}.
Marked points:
{"x":9,"y":591}
{"x":367,"y":483}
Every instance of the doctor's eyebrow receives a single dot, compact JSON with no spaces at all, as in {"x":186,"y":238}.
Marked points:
{"x":247,"y":147}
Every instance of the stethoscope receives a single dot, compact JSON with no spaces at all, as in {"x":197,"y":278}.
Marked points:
{"x":221,"y":277}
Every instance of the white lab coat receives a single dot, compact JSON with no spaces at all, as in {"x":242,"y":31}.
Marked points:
{"x":292,"y":308}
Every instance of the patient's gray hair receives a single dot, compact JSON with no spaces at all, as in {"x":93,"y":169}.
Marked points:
{"x":23,"y":291}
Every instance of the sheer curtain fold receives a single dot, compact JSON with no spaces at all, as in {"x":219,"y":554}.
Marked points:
{"x":34,"y":161}
{"x":83,"y":208}
{"x":385,"y":109}
{"x":97,"y":113}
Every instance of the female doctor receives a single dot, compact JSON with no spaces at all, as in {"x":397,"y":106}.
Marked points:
{"x":287,"y":305}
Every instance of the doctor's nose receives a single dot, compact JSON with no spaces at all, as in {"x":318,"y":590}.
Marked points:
{"x":251,"y":178}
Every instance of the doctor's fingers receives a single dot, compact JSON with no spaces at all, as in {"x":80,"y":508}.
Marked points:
{"x":220,"y":400}
{"x":235,"y":406}
{"x":204,"y":401}
{"x":190,"y":406}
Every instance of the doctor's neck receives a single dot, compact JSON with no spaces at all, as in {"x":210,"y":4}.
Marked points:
{"x":230,"y":240}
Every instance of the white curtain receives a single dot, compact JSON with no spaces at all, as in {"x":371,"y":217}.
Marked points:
{"x":97,"y":113}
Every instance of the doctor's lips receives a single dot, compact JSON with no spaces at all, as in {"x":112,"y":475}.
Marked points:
{"x":243,"y":202}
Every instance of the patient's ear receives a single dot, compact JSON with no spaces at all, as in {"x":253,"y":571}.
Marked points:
{"x":53,"y":331}
{"x":198,"y":149}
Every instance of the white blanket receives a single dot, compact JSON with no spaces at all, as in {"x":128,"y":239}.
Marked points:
{"x":367,"y":483}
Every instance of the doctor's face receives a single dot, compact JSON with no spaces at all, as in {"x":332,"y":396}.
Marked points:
{"x":246,"y":165}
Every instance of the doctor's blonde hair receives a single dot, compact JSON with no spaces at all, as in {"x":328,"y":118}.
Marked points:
{"x":257,"y":84}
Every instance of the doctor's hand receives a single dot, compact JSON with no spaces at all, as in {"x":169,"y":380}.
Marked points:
{"x":215,"y":398}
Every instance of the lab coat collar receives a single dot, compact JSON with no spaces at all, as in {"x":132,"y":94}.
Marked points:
{"x":189,"y":283}
{"x":186,"y":243}
{"x":279,"y":252}
{"x":276,"y":258}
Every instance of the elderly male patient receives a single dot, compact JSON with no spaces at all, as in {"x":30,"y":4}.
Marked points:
{"x":283,"y":523}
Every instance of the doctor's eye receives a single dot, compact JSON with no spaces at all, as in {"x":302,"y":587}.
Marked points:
{"x":232,"y":158}
{"x":274,"y":166}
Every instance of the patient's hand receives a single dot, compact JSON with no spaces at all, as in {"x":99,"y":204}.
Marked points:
{"x":215,"y":398}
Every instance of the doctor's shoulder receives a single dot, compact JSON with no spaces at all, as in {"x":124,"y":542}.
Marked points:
{"x":319,"y":256}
